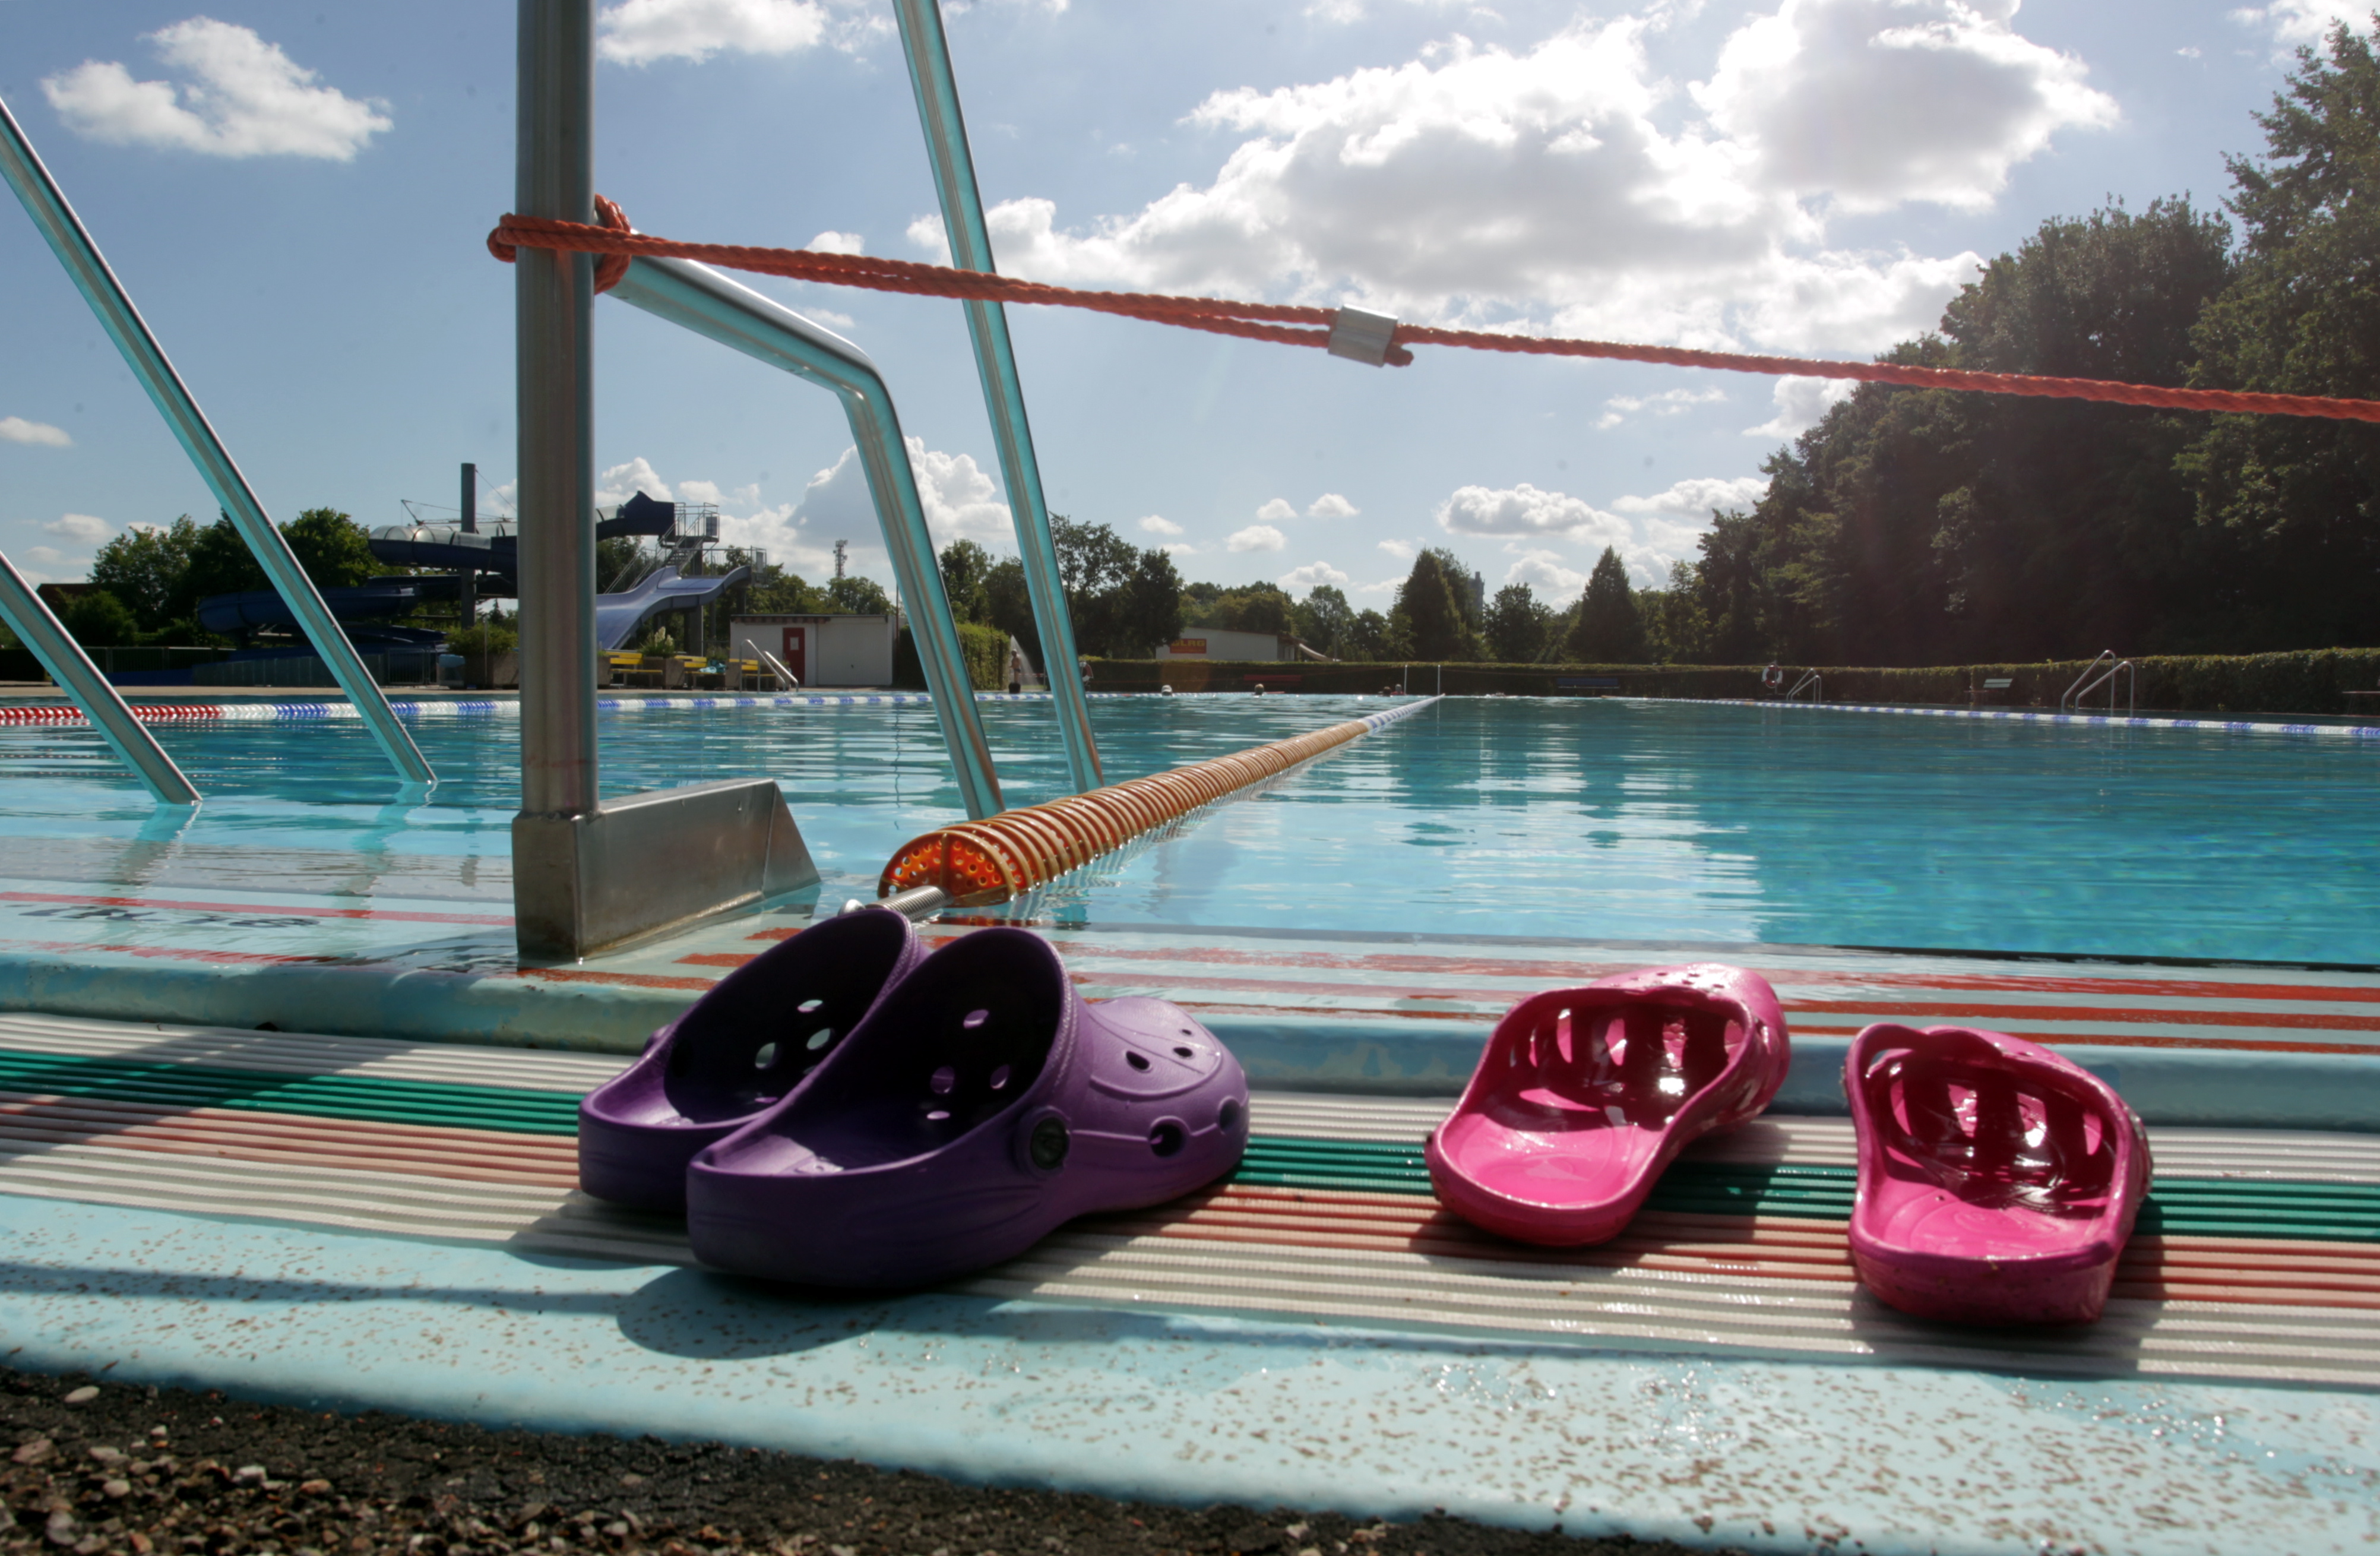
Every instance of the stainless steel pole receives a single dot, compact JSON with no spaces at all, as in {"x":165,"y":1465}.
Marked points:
{"x":30,"y":618}
{"x":71,"y":242}
{"x":467,"y":590}
{"x":554,"y":296}
{"x":701,"y":299}
{"x":1004,"y":393}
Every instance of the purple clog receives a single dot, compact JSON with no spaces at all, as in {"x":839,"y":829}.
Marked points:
{"x":736,"y":1052}
{"x":981,"y":1105}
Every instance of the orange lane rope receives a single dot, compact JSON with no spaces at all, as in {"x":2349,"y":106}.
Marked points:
{"x":618,"y":244}
{"x":1002,"y":856}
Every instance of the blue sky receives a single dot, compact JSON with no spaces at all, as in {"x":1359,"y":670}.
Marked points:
{"x":296,"y":196}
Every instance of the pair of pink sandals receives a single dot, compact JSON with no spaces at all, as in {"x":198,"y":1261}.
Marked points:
{"x":1997,"y":1182}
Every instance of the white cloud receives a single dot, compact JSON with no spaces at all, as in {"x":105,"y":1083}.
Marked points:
{"x":1305,"y":580}
{"x":1546,"y":573}
{"x":1544,"y":188}
{"x":621,"y":482}
{"x":1256,"y":537}
{"x":837,"y":243}
{"x":1385,"y":587}
{"x":15,"y":428}
{"x":2306,"y":21}
{"x":1525,"y":510}
{"x":1879,"y":101}
{"x":1331,"y":506}
{"x":640,"y":31}
{"x":1403,"y":551}
{"x":1670,"y":402}
{"x":1153,"y":525}
{"x":1276,"y":511}
{"x":926,"y":233}
{"x":1695,"y":499}
{"x":245,"y":98}
{"x":80,"y":527}
{"x":1802,"y":404}
{"x":959,"y":497}
{"x":1178,"y":548}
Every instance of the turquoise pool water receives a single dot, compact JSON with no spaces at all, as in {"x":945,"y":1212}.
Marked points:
{"x":1577,"y":820}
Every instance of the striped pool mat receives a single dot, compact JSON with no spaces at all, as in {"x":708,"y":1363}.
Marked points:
{"x":2258,"y":1256}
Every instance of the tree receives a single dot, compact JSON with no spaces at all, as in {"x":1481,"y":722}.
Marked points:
{"x":1463,"y":584}
{"x":1516,"y":625}
{"x":1324,"y":619}
{"x":1432,"y":618}
{"x":1011,"y":607}
{"x":143,"y":568}
{"x":333,"y":548}
{"x":2294,"y":504}
{"x":99,"y":620}
{"x":1257,"y":607}
{"x":965,"y":566}
{"x":1150,"y":610}
{"x":1373,"y":638}
{"x":858,"y":596}
{"x":1609,"y":630}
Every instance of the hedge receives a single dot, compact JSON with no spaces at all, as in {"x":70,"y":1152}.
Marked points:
{"x":985,"y":648}
{"x":2308,"y":682}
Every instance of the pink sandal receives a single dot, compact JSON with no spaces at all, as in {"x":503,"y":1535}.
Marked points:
{"x":1997,"y":1181}
{"x":1584,"y":1095}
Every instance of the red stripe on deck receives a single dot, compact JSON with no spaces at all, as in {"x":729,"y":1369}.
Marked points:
{"x":387,"y":915}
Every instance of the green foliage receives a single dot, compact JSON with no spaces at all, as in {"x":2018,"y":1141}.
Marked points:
{"x":1608,"y":631}
{"x":619,"y":558}
{"x":657,"y":640}
{"x":1149,"y":612}
{"x":1257,"y":607}
{"x":858,"y":596}
{"x":1325,"y":621}
{"x":143,"y":568}
{"x":492,"y":635}
{"x":965,"y":567}
{"x":985,"y":651}
{"x":1517,"y":624}
{"x":220,"y":563}
{"x":333,"y":548}
{"x":2293,"y":506}
{"x":99,"y":620}
{"x":1375,"y":639}
{"x":1432,"y":615}
{"x":1010,"y":606}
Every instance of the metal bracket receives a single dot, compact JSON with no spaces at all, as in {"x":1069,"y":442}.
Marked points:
{"x":651,"y":864}
{"x":1362,"y":337}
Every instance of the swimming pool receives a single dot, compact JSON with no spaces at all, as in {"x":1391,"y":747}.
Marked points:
{"x":1603,"y":820}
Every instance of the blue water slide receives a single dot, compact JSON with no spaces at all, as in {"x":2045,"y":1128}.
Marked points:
{"x":617,"y":616}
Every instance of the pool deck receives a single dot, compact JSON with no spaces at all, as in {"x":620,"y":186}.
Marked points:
{"x":298,"y":1123}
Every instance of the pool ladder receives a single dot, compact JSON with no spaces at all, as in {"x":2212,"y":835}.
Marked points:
{"x":2093,"y":678}
{"x":1812,"y":682}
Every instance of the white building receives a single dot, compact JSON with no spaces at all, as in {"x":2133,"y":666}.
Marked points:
{"x":839,"y":650}
{"x":1216,"y":642}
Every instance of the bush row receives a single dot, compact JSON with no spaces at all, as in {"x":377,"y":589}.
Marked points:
{"x":2311,"y":682}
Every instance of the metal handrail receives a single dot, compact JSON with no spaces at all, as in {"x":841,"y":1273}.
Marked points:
{"x":786,"y":679}
{"x":1003,"y":393}
{"x":71,"y":242}
{"x":29,"y":617}
{"x":2084,"y":685}
{"x":1815,"y":682}
{"x":698,"y":298}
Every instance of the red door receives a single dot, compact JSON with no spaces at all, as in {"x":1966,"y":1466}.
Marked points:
{"x":797,"y":653}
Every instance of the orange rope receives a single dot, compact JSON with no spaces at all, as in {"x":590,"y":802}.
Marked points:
{"x":1002,"y":856}
{"x":619,"y":244}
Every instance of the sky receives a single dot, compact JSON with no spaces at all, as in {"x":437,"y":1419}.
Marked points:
{"x":297,"y":196}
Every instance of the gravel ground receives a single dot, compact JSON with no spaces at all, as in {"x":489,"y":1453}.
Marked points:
{"x":96,"y":1467}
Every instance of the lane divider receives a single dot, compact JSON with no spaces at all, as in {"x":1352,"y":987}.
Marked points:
{"x":1001,"y":858}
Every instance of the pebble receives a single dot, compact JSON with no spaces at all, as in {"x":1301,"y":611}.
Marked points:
{"x":83,"y":1395}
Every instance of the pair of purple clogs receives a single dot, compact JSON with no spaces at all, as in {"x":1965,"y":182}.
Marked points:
{"x":1998,"y":1182}
{"x":847,"y":1110}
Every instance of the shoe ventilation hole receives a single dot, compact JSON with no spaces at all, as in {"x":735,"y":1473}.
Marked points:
{"x":808,"y":1007}
{"x":819,"y":1039}
{"x":765,"y":1056}
{"x":1167,"y":1139}
{"x":1184,"y":1051}
{"x":1137,"y":1061}
{"x":942,"y":1081}
{"x":975,"y":1019}
{"x":1227,"y":1117}
{"x":1048,"y":1144}
{"x":1000,"y":1078}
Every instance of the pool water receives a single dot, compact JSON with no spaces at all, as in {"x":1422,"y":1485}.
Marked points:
{"x":1575,"y":820}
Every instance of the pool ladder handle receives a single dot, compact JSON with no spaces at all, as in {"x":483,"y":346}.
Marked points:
{"x":918,"y":902}
{"x":786,"y":680}
{"x":2093,"y":678}
{"x":1816,"y":683}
